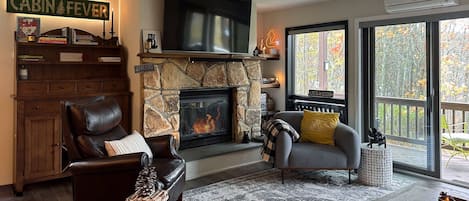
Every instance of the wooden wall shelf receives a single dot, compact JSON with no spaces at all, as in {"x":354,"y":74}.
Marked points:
{"x":201,"y":55}
{"x":270,"y":56}
{"x":271,"y":85}
{"x":68,"y":46}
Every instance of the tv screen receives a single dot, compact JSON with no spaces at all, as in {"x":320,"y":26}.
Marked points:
{"x":207,"y":25}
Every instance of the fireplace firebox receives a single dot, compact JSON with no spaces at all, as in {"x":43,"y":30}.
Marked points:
{"x":205,"y":116}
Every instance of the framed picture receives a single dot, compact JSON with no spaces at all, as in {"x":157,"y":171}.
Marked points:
{"x":151,"y":41}
{"x":27,"y":26}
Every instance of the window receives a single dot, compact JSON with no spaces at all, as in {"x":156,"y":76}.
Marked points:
{"x":316,"y":59}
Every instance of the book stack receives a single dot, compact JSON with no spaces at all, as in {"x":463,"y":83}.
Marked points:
{"x":52,"y":40}
{"x":71,"y":57}
{"x":109,"y":59}
{"x":56,"y":38}
{"x":321,"y":93}
{"x":31,"y":57}
{"x":83,"y":39}
{"x":264,"y":101}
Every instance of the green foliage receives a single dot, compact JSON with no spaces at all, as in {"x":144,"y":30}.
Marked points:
{"x":310,"y":72}
{"x":400,"y":72}
{"x":400,"y":58}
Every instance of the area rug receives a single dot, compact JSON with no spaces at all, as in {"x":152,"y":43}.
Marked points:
{"x":299,"y":186}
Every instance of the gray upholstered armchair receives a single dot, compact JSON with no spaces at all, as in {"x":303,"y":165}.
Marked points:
{"x":344,"y":155}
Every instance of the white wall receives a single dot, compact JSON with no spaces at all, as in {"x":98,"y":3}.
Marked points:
{"x":138,"y":15}
{"x":330,"y":11}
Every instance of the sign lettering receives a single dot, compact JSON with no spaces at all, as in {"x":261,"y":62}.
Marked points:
{"x":66,"y":8}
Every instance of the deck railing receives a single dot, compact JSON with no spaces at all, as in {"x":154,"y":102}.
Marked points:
{"x":404,"y":119}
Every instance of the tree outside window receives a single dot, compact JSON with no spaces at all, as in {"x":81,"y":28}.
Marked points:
{"x":319,"y":62}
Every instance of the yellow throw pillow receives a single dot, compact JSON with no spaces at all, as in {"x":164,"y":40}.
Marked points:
{"x":319,"y":127}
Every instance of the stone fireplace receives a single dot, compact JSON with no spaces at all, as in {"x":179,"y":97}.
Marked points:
{"x":172,"y":77}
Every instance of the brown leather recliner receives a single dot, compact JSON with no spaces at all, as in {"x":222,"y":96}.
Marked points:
{"x":95,"y":176}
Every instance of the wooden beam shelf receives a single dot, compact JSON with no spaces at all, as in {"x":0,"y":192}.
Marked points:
{"x":201,"y":56}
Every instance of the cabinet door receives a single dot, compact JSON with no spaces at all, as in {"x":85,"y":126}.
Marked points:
{"x":42,"y":146}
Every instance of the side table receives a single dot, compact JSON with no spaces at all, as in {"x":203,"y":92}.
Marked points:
{"x":375,"y":166}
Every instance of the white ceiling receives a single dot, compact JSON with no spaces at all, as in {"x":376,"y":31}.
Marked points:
{"x":271,"y":5}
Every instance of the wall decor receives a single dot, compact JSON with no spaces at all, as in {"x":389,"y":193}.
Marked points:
{"x":151,"y":41}
{"x":27,"y":26}
{"x":66,"y":8}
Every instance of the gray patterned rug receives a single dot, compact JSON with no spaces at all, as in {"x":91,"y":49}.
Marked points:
{"x":299,"y":186}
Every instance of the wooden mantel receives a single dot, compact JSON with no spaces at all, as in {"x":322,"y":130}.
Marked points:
{"x":201,"y":55}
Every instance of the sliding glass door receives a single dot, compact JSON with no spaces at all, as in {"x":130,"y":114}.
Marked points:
{"x":401,"y":64}
{"x":454,"y":96}
{"x":405,"y":61}
{"x":402,"y":99}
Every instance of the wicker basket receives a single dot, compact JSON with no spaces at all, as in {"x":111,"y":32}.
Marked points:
{"x":375,"y":166}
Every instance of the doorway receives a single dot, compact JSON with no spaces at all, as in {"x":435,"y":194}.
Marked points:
{"x":416,"y":75}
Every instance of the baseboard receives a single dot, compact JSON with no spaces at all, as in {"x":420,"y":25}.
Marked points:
{"x":223,"y":169}
{"x":212,"y":165}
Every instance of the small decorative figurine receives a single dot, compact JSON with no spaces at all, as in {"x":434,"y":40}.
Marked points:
{"x":256,"y":52}
{"x":376,"y":137}
{"x":246,"y":137}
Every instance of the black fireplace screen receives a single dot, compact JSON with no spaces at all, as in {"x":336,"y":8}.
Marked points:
{"x":205,"y":117}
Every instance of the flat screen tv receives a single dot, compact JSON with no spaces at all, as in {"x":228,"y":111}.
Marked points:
{"x":217,"y":26}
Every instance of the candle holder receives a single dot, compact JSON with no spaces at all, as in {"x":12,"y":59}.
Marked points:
{"x":112,"y":24}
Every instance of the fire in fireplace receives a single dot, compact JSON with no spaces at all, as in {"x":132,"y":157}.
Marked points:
{"x":205,"y":117}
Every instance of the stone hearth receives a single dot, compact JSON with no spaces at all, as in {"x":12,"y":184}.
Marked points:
{"x":161,"y":89}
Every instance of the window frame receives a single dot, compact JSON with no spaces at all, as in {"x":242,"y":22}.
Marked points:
{"x":290,"y":95}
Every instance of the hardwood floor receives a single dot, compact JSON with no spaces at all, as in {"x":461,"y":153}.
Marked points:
{"x":61,"y":190}
{"x":57,"y":190}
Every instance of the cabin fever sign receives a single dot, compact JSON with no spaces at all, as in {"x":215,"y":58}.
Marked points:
{"x":66,"y":8}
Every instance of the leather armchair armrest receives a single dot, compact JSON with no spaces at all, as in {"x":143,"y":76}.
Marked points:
{"x":163,"y":147}
{"x":283,"y":147}
{"x":127,"y":162}
{"x":348,"y":140}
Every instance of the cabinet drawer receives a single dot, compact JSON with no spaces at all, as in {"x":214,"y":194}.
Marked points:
{"x":32,"y":89}
{"x":89,"y":87}
{"x":114,"y":85}
{"x":41,"y":107}
{"x":62,"y":87}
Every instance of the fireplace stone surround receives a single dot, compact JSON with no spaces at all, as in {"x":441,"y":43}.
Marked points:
{"x":161,"y":89}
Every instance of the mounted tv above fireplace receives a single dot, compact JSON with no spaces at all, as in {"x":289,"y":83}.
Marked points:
{"x":217,"y":26}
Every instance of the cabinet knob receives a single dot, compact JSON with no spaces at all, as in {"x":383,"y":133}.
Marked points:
{"x":56,"y":145}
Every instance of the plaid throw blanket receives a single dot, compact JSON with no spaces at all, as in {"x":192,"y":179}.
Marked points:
{"x":273,"y":128}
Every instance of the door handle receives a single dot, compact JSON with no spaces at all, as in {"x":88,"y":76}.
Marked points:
{"x":430,"y":101}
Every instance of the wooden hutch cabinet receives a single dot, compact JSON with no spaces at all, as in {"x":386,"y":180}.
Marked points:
{"x":54,"y":75}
